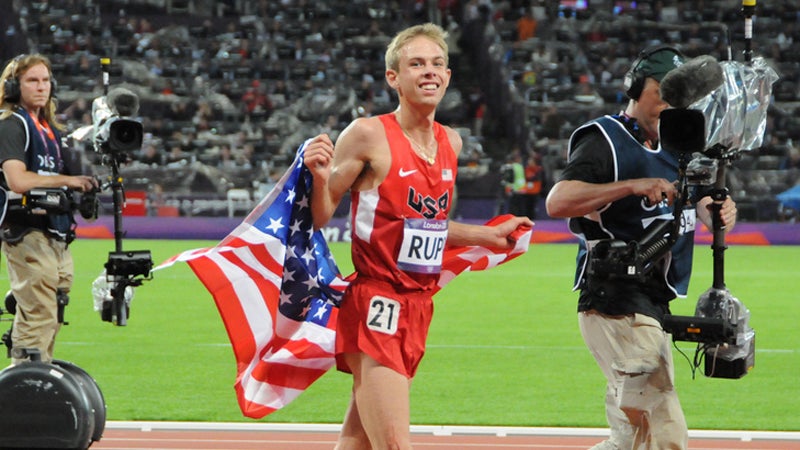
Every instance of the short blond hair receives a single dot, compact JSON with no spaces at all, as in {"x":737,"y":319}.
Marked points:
{"x":430,"y":30}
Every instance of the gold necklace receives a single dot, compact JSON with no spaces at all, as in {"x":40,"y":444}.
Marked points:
{"x":421,"y":150}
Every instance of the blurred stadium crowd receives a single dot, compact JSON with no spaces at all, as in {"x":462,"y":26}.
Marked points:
{"x":229,"y":89}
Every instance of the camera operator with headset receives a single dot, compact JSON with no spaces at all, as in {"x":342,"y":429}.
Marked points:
{"x":618,"y":180}
{"x":35,"y":239}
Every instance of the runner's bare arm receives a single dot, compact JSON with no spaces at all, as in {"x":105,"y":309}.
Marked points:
{"x":496,"y":236}
{"x":336,"y":169}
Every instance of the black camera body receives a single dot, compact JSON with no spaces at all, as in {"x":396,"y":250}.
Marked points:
{"x":117,"y":137}
{"x":59,"y":201}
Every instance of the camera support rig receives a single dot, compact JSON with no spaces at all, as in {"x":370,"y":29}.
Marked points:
{"x":720,"y":325}
{"x":124,"y":268}
{"x":721,"y":322}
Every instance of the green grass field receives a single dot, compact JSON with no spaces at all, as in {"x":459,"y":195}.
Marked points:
{"x":504,"y":347}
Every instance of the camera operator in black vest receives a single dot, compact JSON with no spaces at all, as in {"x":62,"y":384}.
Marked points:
{"x":618,"y":181}
{"x":36,"y":208}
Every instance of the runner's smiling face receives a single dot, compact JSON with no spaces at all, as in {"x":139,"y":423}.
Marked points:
{"x":423,"y":75}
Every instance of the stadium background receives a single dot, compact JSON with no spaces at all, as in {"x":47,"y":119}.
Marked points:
{"x":195,"y":63}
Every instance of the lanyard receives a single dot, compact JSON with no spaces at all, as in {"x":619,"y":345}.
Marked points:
{"x":48,"y":136}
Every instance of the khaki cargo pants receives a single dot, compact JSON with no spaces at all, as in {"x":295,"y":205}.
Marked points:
{"x":37,"y":267}
{"x":635,"y":355}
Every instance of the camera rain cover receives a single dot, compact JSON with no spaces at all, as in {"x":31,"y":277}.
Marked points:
{"x":736,"y":112}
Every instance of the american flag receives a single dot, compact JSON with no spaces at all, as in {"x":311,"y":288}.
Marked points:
{"x":278,"y":291}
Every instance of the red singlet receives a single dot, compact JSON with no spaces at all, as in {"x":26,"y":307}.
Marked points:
{"x":399,"y":231}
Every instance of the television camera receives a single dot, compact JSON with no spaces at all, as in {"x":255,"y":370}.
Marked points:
{"x":116,"y":132}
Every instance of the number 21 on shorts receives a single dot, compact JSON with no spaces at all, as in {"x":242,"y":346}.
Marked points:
{"x":384,"y":313}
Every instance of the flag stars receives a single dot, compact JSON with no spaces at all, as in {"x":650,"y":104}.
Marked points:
{"x":311,"y":283}
{"x":285,"y":298}
{"x":308,"y":256}
{"x":303,"y":202}
{"x":296,"y":226}
{"x":290,"y":194}
{"x":320,"y":314}
{"x":274,"y":225}
{"x":288,"y":275}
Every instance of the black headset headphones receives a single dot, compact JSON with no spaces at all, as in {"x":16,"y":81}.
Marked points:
{"x":635,"y":78}
{"x":11,"y":89}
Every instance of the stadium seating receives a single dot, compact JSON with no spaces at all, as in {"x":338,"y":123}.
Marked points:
{"x":267,"y":75}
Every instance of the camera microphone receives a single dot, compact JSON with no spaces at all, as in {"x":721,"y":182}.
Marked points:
{"x":123,"y":101}
{"x":692,"y":81}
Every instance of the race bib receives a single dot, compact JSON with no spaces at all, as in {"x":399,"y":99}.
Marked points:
{"x":423,"y":245}
{"x":384,"y":314}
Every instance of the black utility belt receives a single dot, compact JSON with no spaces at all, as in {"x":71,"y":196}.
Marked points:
{"x":14,"y":232}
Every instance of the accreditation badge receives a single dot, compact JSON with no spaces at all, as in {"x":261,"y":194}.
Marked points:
{"x":688,"y":221}
{"x":423,"y":245}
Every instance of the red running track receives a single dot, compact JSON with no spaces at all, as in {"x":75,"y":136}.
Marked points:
{"x":264,"y":436}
